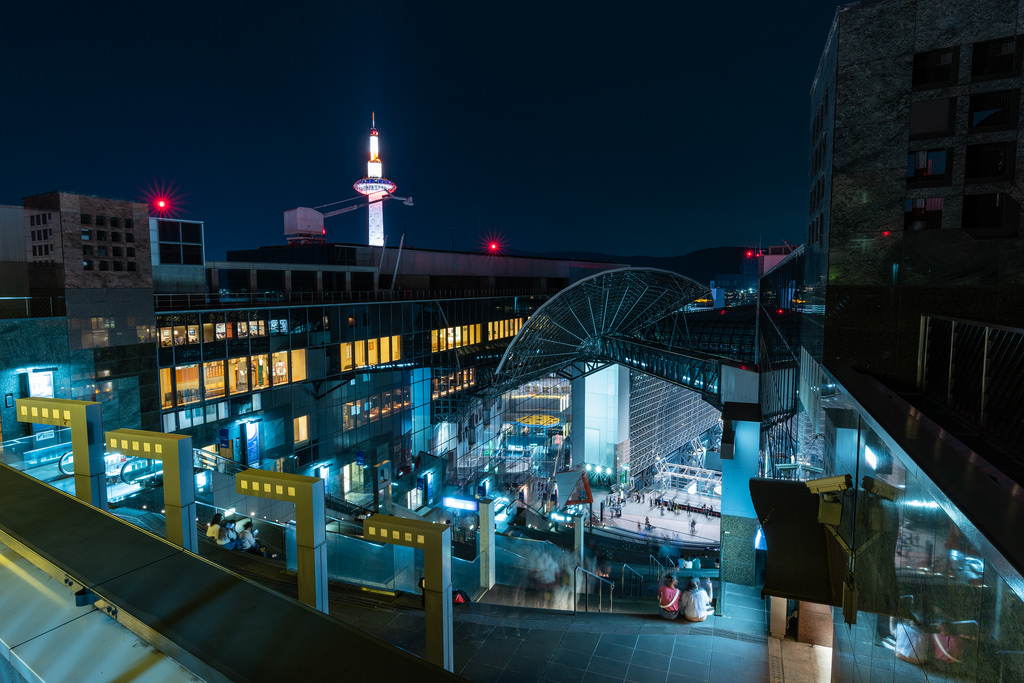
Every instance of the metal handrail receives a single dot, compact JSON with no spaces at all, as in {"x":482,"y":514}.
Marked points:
{"x":600,"y":594}
{"x":633,"y":572}
{"x":654,"y":561}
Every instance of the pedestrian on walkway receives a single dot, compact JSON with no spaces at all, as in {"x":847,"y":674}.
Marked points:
{"x":693,"y":527}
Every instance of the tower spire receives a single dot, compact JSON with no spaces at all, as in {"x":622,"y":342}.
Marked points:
{"x":376,"y":188}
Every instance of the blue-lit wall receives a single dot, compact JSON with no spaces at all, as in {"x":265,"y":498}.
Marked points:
{"x":26,"y":344}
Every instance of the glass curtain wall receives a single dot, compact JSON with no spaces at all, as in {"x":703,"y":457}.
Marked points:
{"x":932,"y":605}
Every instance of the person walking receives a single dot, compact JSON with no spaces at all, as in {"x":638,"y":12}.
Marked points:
{"x":668,"y":598}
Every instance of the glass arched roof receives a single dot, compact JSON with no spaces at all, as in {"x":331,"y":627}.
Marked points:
{"x":569,"y":327}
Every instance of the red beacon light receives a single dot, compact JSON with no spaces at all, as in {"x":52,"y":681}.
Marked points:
{"x":750,"y":253}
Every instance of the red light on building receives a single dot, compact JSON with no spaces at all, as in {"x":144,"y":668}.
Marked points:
{"x":492,"y":243}
{"x":750,"y":253}
{"x":780,"y":311}
{"x":885,"y":234}
{"x":163,"y":198}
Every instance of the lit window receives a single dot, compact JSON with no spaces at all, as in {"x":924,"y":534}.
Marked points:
{"x":238,"y":375}
{"x":301,"y":428}
{"x":298,"y":365}
{"x":260,"y":372}
{"x":166,"y":389}
{"x":360,"y":353}
{"x":279,"y":362}
{"x":213,"y":380}
{"x":371,"y":351}
{"x":187,"y":383}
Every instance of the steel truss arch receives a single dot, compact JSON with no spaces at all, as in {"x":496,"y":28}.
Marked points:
{"x":607,"y":318}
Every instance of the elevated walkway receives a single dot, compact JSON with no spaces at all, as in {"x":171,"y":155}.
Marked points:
{"x":217,"y":624}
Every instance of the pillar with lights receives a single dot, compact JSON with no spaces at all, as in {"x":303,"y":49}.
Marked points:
{"x":376,"y":188}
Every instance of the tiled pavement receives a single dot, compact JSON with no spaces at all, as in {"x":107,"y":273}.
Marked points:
{"x":494,"y":643}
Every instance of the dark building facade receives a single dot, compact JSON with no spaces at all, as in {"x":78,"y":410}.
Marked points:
{"x":915,"y":185}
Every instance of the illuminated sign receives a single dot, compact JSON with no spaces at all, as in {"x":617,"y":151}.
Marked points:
{"x":460,"y":504}
{"x":252,"y":444}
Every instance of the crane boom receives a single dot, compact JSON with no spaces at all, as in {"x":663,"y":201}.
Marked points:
{"x":405,"y":200}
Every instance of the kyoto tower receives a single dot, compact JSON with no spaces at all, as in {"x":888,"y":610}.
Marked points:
{"x":376,"y":188}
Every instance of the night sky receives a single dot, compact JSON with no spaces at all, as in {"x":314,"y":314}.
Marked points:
{"x":626,"y":128}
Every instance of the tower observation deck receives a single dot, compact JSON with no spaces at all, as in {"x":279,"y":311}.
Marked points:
{"x":376,"y":187}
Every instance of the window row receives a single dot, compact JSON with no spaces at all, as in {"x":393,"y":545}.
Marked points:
{"x":188,"y":384}
{"x":39,"y":219}
{"x":108,"y":251}
{"x":370,"y":352}
{"x":454,"y":337}
{"x":109,"y":265}
{"x":817,"y":195}
{"x":180,"y":231}
{"x":998,"y":58}
{"x":819,"y":117}
{"x":816,"y":230}
{"x":103,"y":235}
{"x":987,"y":162}
{"x":372,"y":408}
{"x":992,"y":215}
{"x":42,"y":249}
{"x":183,"y":254}
{"x":189,"y":334}
{"x":500,"y":329}
{"x":41,"y":235}
{"x":102,"y":221}
{"x":997,"y":110}
{"x":449,"y":384}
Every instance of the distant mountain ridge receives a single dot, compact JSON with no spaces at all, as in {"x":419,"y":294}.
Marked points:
{"x":701,"y":265}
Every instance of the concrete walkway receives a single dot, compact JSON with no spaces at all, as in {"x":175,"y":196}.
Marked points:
{"x":496,"y":643}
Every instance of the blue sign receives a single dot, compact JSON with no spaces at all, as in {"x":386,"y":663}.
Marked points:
{"x":481,"y":491}
{"x":252,"y":443}
{"x":421,"y":483}
{"x":224,"y":440}
{"x":360,"y":458}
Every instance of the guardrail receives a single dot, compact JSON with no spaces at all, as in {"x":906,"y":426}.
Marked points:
{"x":167,"y":302}
{"x":600,"y":593}
{"x":651,"y":561}
{"x":636,"y":580}
{"x":32,"y":306}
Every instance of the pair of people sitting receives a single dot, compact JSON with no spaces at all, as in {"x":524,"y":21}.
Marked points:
{"x":694,"y":602}
{"x":224,"y":533}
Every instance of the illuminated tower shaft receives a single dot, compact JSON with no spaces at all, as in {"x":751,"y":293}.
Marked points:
{"x":376,"y":188}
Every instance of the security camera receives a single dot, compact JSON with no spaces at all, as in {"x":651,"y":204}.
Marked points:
{"x":881,"y":489}
{"x":830,"y":484}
